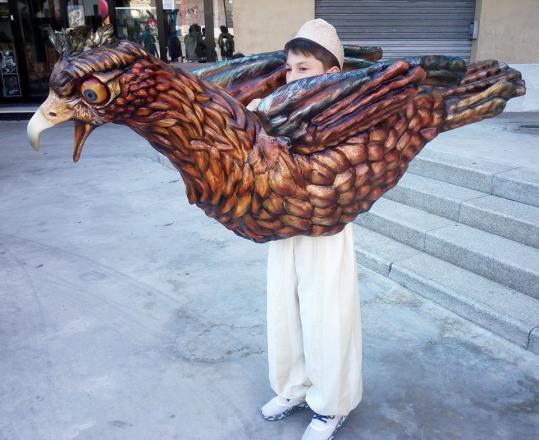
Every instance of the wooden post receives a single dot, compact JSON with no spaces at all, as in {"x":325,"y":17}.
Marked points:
{"x":208,"y":24}
{"x":161,"y":30}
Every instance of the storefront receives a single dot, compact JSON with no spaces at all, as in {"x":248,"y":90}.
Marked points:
{"x":27,"y":58}
{"x":404,"y":27}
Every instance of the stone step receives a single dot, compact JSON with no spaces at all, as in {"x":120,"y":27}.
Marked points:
{"x":502,"y":310}
{"x":519,"y":184}
{"x":514,"y":183}
{"x":513,"y":220}
{"x":431,"y":195}
{"x":510,"y":219}
{"x":496,"y":258}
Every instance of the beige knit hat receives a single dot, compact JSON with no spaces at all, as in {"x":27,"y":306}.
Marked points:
{"x":323,"y":33}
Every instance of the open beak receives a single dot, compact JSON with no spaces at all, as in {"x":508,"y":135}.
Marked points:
{"x":53,"y":112}
{"x":82,"y":131}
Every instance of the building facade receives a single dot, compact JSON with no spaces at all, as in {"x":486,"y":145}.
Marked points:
{"x":472,"y":29}
{"x":27,"y":57}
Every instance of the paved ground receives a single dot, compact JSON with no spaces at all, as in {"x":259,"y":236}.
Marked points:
{"x":127,"y":314}
{"x":509,"y":138}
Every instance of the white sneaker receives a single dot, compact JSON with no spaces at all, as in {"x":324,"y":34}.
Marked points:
{"x":323,"y":427}
{"x":279,"y":407}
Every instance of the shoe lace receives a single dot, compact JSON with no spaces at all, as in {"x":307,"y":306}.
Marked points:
{"x":322,"y":418}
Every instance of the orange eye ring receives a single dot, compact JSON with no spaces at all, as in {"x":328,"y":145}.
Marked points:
{"x":94,"y":91}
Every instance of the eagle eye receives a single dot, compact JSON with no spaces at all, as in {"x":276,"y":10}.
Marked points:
{"x":94,"y":91}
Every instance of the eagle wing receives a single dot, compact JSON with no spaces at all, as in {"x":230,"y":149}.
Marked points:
{"x":483,"y":93}
{"x":256,"y":76}
{"x":321,"y":112}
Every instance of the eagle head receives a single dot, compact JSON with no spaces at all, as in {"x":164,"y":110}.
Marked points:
{"x":85,"y":86}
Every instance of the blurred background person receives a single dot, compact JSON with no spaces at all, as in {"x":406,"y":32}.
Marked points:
{"x":226,"y":43}
{"x":193,"y":43}
{"x":209,"y":46}
{"x":174,"y":47}
{"x":148,"y":40}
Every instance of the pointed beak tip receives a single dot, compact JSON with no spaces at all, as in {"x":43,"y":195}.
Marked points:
{"x":82,"y":131}
{"x":33,"y":136}
{"x":35,"y":126}
{"x":76,"y":158}
{"x":36,"y":145}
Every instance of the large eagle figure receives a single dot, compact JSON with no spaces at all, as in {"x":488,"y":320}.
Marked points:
{"x":318,"y":151}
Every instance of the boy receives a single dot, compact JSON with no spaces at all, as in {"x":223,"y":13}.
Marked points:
{"x":313,"y":311}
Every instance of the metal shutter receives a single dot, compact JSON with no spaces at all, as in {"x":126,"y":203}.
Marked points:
{"x":403,"y":27}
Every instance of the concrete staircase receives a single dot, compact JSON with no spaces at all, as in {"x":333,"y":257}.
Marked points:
{"x":463,"y":232}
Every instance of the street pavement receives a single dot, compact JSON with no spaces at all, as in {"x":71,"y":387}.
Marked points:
{"x":127,"y":314}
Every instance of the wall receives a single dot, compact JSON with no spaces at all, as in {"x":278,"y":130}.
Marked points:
{"x":266,"y":25}
{"x":508,"y":31}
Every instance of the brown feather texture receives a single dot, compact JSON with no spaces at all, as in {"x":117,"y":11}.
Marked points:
{"x":319,"y":152}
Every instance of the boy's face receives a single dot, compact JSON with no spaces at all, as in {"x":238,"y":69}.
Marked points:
{"x":303,"y":66}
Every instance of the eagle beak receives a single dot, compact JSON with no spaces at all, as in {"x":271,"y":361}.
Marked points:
{"x":82,"y":131}
{"x":53,"y":112}
{"x":37,"y":124}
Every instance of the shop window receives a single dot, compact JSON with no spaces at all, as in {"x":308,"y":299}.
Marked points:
{"x":10,"y":84}
{"x":136,"y":20}
{"x":36,"y":16}
{"x":181,"y":16}
{"x":83,"y":13}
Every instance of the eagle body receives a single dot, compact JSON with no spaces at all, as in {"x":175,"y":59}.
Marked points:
{"x":316,"y":154}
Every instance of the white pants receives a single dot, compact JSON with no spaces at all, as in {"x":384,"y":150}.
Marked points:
{"x":314,"y":322}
